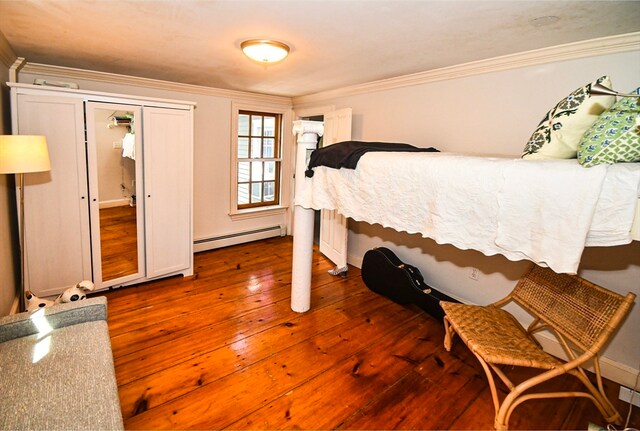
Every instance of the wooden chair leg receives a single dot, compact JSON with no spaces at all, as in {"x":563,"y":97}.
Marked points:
{"x":615,"y":415}
{"x":448,"y":334}
{"x":600,"y":399}
{"x":511,"y":401}
{"x":492,"y":383}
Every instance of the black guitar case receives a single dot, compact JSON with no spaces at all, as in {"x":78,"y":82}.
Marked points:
{"x":384,"y":273}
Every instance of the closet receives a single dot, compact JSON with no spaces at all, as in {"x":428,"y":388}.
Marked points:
{"x":116,"y":207}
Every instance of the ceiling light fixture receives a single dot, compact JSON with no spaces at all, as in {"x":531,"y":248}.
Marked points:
{"x":264,"y":50}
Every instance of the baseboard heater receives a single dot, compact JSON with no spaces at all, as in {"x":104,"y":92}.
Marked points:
{"x":211,"y":243}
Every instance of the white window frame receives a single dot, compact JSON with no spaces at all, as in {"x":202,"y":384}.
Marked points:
{"x":286,"y":142}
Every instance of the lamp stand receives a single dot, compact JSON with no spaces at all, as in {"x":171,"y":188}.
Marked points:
{"x":23,"y":257}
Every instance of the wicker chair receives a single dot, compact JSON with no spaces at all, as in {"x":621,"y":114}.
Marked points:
{"x":582,"y":316}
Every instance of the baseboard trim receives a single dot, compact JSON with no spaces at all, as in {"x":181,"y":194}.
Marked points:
{"x":354,"y":260}
{"x":114,"y":203}
{"x":211,"y":243}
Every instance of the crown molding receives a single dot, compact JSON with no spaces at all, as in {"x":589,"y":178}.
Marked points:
{"x":594,"y":47}
{"x":569,"y":51}
{"x":114,"y":78}
{"x":7,"y":56}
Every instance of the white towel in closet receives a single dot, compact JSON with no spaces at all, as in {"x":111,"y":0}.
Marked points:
{"x":129,"y":146}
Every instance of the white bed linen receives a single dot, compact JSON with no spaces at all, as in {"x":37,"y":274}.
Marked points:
{"x":546,"y":211}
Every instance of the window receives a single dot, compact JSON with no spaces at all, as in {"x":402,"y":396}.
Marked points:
{"x":261,"y":174}
{"x":258,"y":159}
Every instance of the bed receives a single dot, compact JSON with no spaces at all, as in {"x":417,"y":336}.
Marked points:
{"x":545,"y":211}
{"x":576,"y":185}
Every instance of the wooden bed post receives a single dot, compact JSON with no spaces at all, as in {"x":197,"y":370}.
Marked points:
{"x":308,"y":133}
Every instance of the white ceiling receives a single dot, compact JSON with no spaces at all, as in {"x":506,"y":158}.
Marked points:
{"x":333,"y":43}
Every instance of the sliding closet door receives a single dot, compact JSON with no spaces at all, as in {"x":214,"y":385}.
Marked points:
{"x":57,"y":244}
{"x":168,"y":188}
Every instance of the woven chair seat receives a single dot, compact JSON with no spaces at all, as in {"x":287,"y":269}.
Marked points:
{"x":496,"y":336}
{"x":580,"y":314}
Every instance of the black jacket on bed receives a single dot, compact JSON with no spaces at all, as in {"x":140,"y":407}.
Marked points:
{"x":346,"y":154}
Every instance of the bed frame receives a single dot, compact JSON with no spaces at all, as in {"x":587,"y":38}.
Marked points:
{"x":544,"y":211}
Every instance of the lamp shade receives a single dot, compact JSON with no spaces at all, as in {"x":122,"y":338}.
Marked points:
{"x":23,"y":153}
{"x":264,"y":50}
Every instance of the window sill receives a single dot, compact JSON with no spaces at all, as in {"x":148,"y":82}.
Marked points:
{"x":257,"y":212}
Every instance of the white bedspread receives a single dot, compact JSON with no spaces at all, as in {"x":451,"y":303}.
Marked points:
{"x":546,"y":211}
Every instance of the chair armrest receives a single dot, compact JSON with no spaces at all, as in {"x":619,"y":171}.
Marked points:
{"x":50,"y":318}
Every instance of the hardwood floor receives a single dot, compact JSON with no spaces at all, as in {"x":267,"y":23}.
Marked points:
{"x":223,"y":350}
{"x":118,"y":241}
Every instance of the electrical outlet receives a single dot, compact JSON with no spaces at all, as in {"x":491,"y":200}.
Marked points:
{"x":625,"y":395}
{"x":474,"y":274}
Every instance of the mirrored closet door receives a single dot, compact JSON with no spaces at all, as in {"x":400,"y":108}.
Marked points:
{"x":114,"y":145}
{"x":116,"y":206}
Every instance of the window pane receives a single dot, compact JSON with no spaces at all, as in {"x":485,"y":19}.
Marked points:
{"x":256,"y":171}
{"x":269,"y":192}
{"x":243,"y":124}
{"x":243,"y":194}
{"x":243,"y":172}
{"x":256,"y":192}
{"x":243,"y":148}
{"x":256,"y":125}
{"x":269,"y":171}
{"x":267,"y":147}
{"x":256,"y":143}
{"x":269,"y":126}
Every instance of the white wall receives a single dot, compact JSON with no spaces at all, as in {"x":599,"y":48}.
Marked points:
{"x":212,"y":148}
{"x":491,"y":113}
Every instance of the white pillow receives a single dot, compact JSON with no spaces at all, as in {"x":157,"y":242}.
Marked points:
{"x":559,"y":133}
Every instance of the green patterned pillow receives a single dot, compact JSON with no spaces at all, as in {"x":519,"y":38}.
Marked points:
{"x":558,"y":134}
{"x":614,"y":137}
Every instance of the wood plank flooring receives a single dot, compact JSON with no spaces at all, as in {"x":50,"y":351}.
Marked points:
{"x":118,"y":241}
{"x":224,"y":350}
